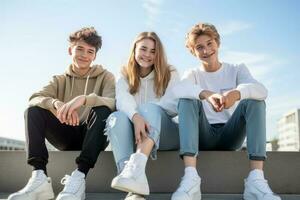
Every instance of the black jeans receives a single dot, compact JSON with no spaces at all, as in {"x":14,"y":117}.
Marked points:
{"x":88,"y":137}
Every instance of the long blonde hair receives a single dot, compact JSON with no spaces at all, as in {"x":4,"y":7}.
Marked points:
{"x":162,"y":71}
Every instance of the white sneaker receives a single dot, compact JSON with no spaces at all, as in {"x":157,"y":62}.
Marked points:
{"x":74,"y":187}
{"x":258,"y":189}
{"x":132,"y":178}
{"x":189,"y":189}
{"x":132,"y":196}
{"x":39,"y":187}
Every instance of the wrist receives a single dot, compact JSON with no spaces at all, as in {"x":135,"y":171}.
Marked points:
{"x":205,"y":94}
{"x":237,"y":95}
{"x":134,"y":116}
{"x":54,"y":104}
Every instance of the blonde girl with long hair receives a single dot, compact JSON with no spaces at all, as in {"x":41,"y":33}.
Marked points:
{"x":143,"y":122}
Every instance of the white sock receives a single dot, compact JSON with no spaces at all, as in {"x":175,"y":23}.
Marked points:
{"x":256,"y":174}
{"x":191,"y":172}
{"x":78,"y":173}
{"x":38,"y":173}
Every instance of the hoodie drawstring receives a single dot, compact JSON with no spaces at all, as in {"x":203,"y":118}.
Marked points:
{"x":85,"y":87}
{"x":146,"y":91}
{"x":71,"y":93}
{"x":86,"y":84}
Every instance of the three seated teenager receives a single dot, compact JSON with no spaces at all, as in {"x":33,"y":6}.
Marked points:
{"x":218,"y":104}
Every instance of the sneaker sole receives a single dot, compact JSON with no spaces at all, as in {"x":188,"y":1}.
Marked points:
{"x":195,"y":197}
{"x":122,"y":185}
{"x":46,"y":196}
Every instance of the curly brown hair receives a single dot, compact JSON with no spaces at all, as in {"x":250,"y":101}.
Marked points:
{"x":88,"y":35}
{"x":198,"y":30}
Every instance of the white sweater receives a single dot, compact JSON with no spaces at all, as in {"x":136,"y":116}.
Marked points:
{"x":129,"y":103}
{"x":228,"y":77}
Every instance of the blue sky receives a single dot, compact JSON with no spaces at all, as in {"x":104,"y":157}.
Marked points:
{"x":33,"y":43}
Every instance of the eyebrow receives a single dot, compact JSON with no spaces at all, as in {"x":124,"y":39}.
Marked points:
{"x":209,"y":40}
{"x":81,"y":47}
{"x":147,"y":48}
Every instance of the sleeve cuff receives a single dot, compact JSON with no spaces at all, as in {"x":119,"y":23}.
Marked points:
{"x":131,"y":113}
{"x":243,"y":91}
{"x":196,"y":92}
{"x":50,"y":103}
{"x":90,"y":100}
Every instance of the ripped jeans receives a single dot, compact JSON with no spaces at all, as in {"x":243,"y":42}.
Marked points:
{"x":120,"y":131}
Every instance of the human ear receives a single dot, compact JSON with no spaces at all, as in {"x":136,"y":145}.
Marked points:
{"x":70,"y":51}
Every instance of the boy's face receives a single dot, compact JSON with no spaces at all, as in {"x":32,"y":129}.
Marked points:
{"x":82,"y":54}
{"x":206,"y":49}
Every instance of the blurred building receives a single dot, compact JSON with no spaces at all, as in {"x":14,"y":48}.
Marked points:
{"x":288,"y":129}
{"x":8,"y":144}
{"x":11,"y":144}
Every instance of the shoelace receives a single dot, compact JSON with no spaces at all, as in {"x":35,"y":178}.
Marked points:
{"x":186,"y":183}
{"x":71,"y":184}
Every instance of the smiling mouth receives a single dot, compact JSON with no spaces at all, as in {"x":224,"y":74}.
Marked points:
{"x":207,"y":56}
{"x":82,"y":60}
{"x":145,"y":60}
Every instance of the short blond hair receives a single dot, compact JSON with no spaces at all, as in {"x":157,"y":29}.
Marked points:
{"x":198,"y":30}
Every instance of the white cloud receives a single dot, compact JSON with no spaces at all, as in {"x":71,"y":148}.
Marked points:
{"x":260,"y":65}
{"x":233,"y":27}
{"x":152,"y":8}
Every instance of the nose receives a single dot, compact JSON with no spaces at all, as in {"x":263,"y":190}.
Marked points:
{"x":147,"y":53}
{"x":84,"y":54}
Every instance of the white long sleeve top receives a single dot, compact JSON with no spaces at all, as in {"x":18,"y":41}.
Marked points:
{"x":228,"y":77}
{"x":129,"y":103}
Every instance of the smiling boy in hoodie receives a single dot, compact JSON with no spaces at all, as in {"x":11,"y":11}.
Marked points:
{"x":70,"y":112}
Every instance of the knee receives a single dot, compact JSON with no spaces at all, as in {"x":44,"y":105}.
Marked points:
{"x":117,"y":123}
{"x":98,"y":115}
{"x":101,"y":111}
{"x":254,"y":104}
{"x":186,"y":104}
{"x":148,"y":109}
{"x":32,"y":111}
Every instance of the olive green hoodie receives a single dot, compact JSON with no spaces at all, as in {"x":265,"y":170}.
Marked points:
{"x":98,"y":85}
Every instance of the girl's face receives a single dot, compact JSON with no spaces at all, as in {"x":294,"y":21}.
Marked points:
{"x":206,"y":49}
{"x":145,"y":53}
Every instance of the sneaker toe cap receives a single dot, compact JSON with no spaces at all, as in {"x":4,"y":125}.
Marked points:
{"x":135,"y":197}
{"x":66,"y":196}
{"x":271,"y":197}
{"x":18,"y":196}
{"x":180,"y":196}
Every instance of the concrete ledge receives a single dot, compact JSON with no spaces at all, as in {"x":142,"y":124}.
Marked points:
{"x":166,"y":196}
{"x":222,"y":172}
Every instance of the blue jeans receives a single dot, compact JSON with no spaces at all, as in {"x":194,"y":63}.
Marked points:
{"x":120,"y":131}
{"x":196,"y":133}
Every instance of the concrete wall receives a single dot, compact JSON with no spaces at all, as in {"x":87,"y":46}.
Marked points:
{"x":221,"y":172}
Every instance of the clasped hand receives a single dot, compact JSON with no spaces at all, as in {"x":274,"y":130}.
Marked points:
{"x":67,"y":112}
{"x":222,"y":101}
